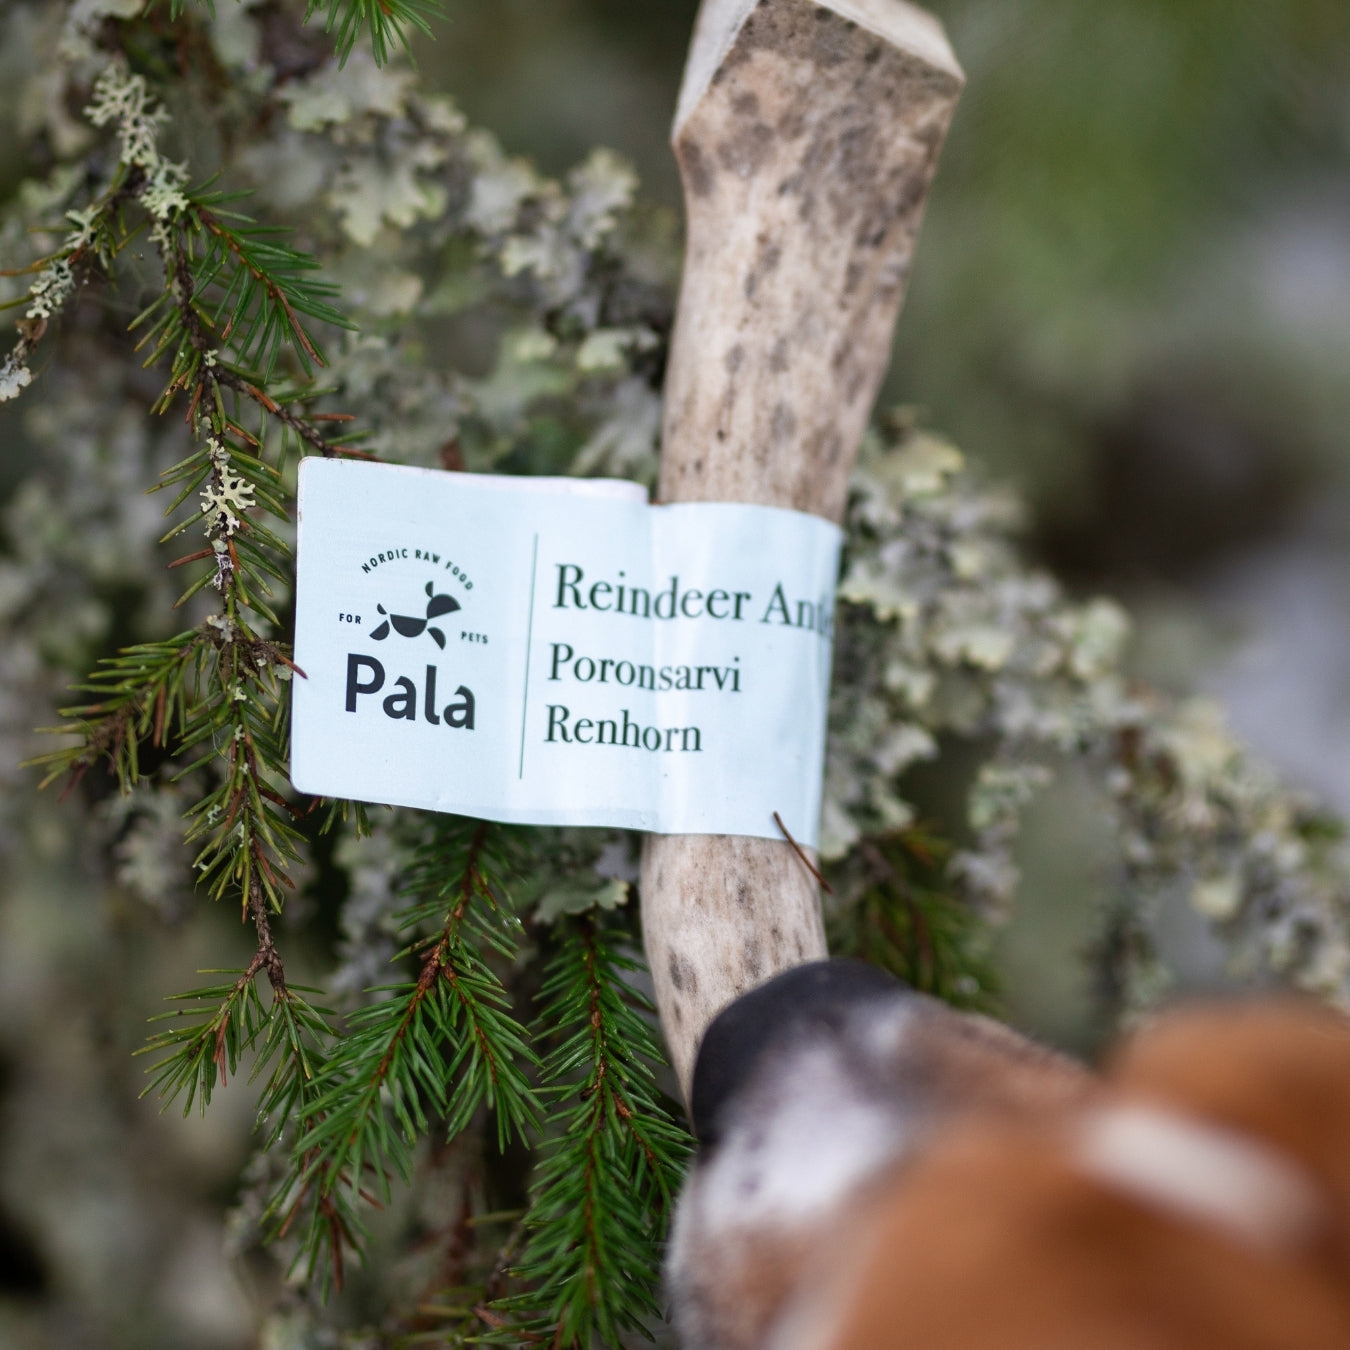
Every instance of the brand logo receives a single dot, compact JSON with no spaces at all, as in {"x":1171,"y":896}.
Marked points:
{"x":410,"y":627}
{"x":378,"y":683}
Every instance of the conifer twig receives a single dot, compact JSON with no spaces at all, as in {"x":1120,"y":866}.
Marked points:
{"x":609,"y":1169}
{"x":388,"y":21}
{"x":438,"y":1047}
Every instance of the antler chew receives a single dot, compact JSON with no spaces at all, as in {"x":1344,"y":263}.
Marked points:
{"x":807,"y":136}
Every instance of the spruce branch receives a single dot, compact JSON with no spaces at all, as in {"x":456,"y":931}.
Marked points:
{"x":216,"y":696}
{"x":236,"y":293}
{"x":98,"y":235}
{"x":143,"y":175}
{"x":234,"y":283}
{"x":141,"y":694}
{"x":218,"y":688}
{"x":212,"y":1029}
{"x":388,"y":21}
{"x":609,"y":1170}
{"x":224,"y":276}
{"x":199,"y":1054}
{"x":244,"y":825}
{"x":437,"y":1048}
{"x":219,"y":1025}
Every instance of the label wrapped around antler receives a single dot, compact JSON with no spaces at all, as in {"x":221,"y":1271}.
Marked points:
{"x":558,"y":652}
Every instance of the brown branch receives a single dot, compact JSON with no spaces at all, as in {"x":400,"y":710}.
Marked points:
{"x":436,"y":963}
{"x":219,"y":1057}
{"x":267,"y":957}
{"x":472,"y":878}
{"x":204,"y":339}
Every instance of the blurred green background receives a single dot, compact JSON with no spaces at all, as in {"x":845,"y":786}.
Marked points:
{"x":1131,"y":299}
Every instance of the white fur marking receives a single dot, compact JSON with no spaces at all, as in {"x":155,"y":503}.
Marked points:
{"x":1204,"y":1172}
{"x":804,"y":1154}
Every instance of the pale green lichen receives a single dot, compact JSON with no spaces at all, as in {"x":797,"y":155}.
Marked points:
{"x":14,"y":378}
{"x":125,"y":100}
{"x":343,"y":96}
{"x":997,"y":653}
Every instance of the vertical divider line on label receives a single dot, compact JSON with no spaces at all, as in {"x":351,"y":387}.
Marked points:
{"x":529,"y":641}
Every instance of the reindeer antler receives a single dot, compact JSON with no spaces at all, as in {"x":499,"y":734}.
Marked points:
{"x":807,"y":134}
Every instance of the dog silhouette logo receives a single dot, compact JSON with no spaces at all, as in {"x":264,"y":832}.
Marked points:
{"x":410,"y":627}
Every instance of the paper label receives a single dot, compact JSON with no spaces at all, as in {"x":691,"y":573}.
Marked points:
{"x":558,"y":652}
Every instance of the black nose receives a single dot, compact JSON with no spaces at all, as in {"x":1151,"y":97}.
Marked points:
{"x":816,"y":997}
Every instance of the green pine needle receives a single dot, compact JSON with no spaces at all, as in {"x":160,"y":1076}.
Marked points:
{"x":610,"y":1167}
{"x":389,"y":21}
{"x":434,"y":1050}
{"x":212,"y":1029}
{"x":143,"y":693}
{"x":250,"y":293}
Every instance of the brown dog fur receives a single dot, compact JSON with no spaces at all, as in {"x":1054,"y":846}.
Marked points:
{"x":998,"y":1238}
{"x":734,"y":1268}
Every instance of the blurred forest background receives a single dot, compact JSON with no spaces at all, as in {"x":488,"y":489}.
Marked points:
{"x":1131,"y":300}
